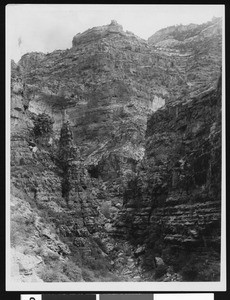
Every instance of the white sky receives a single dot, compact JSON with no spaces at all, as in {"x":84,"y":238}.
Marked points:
{"x":45,"y":28}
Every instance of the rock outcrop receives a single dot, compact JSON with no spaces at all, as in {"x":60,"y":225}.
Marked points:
{"x":105,"y":85}
{"x":172,"y":206}
{"x":107,"y":144}
{"x":60,"y":214}
{"x":196,"y":53}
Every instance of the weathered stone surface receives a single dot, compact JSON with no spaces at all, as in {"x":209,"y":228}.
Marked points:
{"x":196,"y":52}
{"x":106,"y":171}
{"x":174,"y":201}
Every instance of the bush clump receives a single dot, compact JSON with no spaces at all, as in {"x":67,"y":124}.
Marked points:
{"x":43,"y":124}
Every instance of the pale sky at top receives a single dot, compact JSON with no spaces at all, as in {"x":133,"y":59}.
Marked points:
{"x":45,"y":28}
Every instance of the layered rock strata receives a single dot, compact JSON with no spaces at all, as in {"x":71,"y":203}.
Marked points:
{"x":105,"y":85}
{"x":81,"y":181}
{"x":196,"y":53}
{"x":60,"y":215}
{"x":172,"y":207}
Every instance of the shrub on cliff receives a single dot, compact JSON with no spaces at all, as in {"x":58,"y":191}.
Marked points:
{"x":43,"y":124}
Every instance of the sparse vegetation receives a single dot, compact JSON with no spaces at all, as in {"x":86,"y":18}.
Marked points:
{"x":43,"y":124}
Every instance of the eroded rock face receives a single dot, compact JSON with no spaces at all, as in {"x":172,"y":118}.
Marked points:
{"x":195,"y":51}
{"x":105,"y":85}
{"x":58,"y":216}
{"x":52,"y":200}
{"x":96,"y":171}
{"x":172,"y":205}
{"x":97,"y":33}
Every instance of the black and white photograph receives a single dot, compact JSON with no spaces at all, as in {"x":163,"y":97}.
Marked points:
{"x":116,"y":147}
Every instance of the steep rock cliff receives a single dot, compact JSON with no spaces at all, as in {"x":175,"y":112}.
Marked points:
{"x":51,"y":219}
{"x":81,"y":181}
{"x":60,"y":213}
{"x":172,"y":206}
{"x":105,"y":85}
{"x":195,"y":52}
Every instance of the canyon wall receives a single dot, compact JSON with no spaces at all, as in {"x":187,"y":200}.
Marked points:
{"x":172,"y":206}
{"x":196,"y":53}
{"x":116,"y":160}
